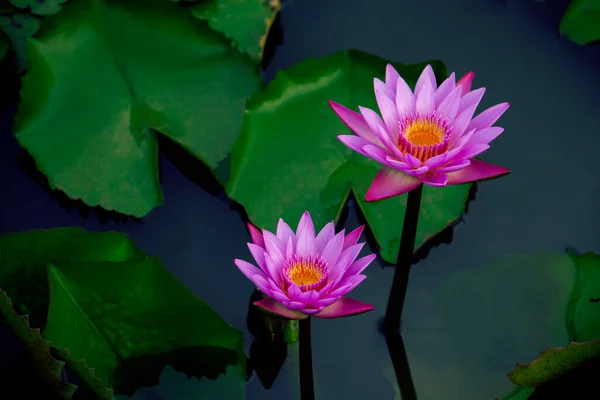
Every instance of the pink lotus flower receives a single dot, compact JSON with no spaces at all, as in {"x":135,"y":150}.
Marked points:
{"x":427,"y":137}
{"x":306,"y":274}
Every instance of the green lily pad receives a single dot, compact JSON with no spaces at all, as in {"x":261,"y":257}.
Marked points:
{"x":176,"y":386}
{"x":247,"y":22}
{"x":109,"y":312}
{"x":554,"y":362}
{"x":40,"y":7}
{"x":93,"y":321}
{"x":141,"y":67}
{"x":25,"y":255}
{"x":583,"y":324}
{"x":583,"y":313}
{"x":48,"y":369}
{"x":288,"y":158}
{"x":519,"y":393}
{"x":581,"y":22}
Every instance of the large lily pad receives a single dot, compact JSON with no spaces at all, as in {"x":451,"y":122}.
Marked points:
{"x":106,"y":313}
{"x":554,"y":362}
{"x":247,"y":22}
{"x":89,"y":120}
{"x":581,"y":22}
{"x":583,"y":324}
{"x":288,"y":158}
{"x":25,"y":255}
{"x":112,"y":310}
{"x":47,"y":369}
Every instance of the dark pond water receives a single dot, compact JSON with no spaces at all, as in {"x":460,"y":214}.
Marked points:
{"x":471,"y":311}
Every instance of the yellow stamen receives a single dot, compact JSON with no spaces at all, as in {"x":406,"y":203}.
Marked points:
{"x":422,"y":132}
{"x":304,"y":273}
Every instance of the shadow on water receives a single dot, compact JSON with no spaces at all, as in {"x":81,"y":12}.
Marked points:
{"x":395,"y":345}
{"x":269,"y":348}
{"x":190,"y":166}
{"x":27,"y":164}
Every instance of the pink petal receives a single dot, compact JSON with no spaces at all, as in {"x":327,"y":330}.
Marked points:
{"x":257,"y":237}
{"x":445,"y":88}
{"x":386,"y":138}
{"x":379,"y":86}
{"x":284,"y":232}
{"x":453,"y":166}
{"x":358,"y":266}
{"x":405,"y":99}
{"x":290,"y":250}
{"x":337,"y":271}
{"x":277,"y":308}
{"x":274,"y":247}
{"x":309,"y":298}
{"x":390,"y":182}
{"x":465,"y":82}
{"x":436,"y":161}
{"x":259,"y":255}
{"x":417,"y":172}
{"x":389,"y":114}
{"x":391,"y":76}
{"x":485,"y":136}
{"x":477,"y":171}
{"x":433,"y":179}
{"x":354,"y":121}
{"x":427,"y":76}
{"x":263,"y":284}
{"x":449,"y":107}
{"x":274,"y":269}
{"x":372,"y":118}
{"x":471,"y":99}
{"x":332,"y":250}
{"x":344,"y":307}
{"x":248,"y":269}
{"x":376,"y":153}
{"x":355,"y":143}
{"x":346,"y":285}
{"x":324,"y":236}
{"x":471,"y":151}
{"x":412,"y":161}
{"x":327,"y":302}
{"x":305,"y":244}
{"x":352,"y":237}
{"x":295,"y":293}
{"x":305,"y":224}
{"x":460,"y":124}
{"x":488,"y":117}
{"x":399,"y":165}
{"x":425,"y":100}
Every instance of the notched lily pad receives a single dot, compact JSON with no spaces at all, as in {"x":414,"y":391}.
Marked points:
{"x":246,"y":22}
{"x":288,"y":159}
{"x":157,"y":69}
{"x":47,"y":368}
{"x":554,"y":362}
